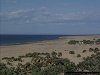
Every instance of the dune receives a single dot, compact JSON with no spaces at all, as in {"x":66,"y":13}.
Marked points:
{"x":57,"y":45}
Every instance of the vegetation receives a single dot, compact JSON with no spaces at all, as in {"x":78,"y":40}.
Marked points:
{"x":91,"y":64}
{"x":54,"y":54}
{"x":94,"y":50}
{"x":78,"y":55}
{"x":91,"y":49}
{"x":86,"y":42}
{"x":73,"y":42}
{"x":97,"y":41}
{"x":71,"y":52}
{"x":84,"y":51}
{"x":59,"y":54}
{"x":50,"y":64}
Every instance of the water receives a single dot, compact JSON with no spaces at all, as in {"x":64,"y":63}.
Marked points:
{"x":19,"y":39}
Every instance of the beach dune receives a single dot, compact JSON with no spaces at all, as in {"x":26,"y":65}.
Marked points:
{"x":57,"y":45}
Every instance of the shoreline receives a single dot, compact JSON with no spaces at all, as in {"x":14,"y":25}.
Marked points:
{"x":58,"y":45}
{"x":59,"y":37}
{"x":32,"y":41}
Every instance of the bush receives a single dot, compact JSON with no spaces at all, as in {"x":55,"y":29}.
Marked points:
{"x":96,"y":50}
{"x":78,"y":55}
{"x":84,"y":51}
{"x":90,"y":63}
{"x":91,"y":49}
{"x":71,"y":52}
{"x":59,"y":54}
{"x":54,"y":54}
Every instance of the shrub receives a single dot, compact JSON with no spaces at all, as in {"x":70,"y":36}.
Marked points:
{"x":84,"y":51}
{"x":84,"y":58}
{"x":97,"y":41}
{"x":59,"y":54}
{"x":91,"y":49}
{"x":78,"y":55}
{"x":2,"y":66}
{"x":71,"y":52}
{"x":29,"y":55}
{"x":91,"y":63}
{"x":98,"y":53}
{"x":96,"y":50}
{"x":73,"y":42}
{"x":54,"y":54}
{"x":92,"y":55}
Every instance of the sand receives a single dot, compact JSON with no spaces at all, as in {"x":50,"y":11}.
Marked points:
{"x":58,"y":45}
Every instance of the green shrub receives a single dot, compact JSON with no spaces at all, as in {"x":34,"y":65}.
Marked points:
{"x":78,"y":55}
{"x":71,"y":52}
{"x":84,"y":51}
{"x":59,"y":54}
{"x":91,"y":49}
{"x":96,"y":50}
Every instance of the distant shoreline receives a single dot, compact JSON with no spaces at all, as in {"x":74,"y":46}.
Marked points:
{"x":6,"y":40}
{"x":36,"y":41}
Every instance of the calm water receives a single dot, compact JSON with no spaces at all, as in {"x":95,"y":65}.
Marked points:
{"x":17,"y":39}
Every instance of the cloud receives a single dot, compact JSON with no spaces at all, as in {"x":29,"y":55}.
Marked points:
{"x":12,"y":2}
{"x":43,"y":15}
{"x":18,"y":14}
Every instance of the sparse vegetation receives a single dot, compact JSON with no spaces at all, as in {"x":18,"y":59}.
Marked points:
{"x":90,"y":49}
{"x":71,"y":52}
{"x":78,"y":55}
{"x":91,"y":64}
{"x":40,"y":65}
{"x":54,"y":54}
{"x":50,"y":64}
{"x":97,"y":41}
{"x":85,"y":42}
{"x":94,"y":50}
{"x":84,"y":51}
{"x":59,"y":54}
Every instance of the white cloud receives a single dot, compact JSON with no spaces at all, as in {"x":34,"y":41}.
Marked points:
{"x":44,"y":16}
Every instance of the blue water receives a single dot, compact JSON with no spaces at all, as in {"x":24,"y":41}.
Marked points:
{"x":19,"y":39}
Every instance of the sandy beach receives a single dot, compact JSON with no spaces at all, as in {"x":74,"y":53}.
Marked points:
{"x":58,"y":45}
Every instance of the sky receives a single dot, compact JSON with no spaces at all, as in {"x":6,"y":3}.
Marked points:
{"x":50,"y":17}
